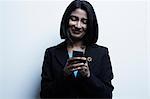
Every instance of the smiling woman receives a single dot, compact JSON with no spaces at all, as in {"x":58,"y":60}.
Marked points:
{"x":77,"y":68}
{"x":78,"y":24}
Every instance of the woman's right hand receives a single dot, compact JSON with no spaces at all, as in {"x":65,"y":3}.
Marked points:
{"x":73,"y":64}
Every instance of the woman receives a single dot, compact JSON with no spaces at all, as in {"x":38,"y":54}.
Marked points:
{"x":66,"y":74}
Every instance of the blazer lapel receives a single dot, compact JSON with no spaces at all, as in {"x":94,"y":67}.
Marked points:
{"x":61,"y":54}
{"x":90,"y":52}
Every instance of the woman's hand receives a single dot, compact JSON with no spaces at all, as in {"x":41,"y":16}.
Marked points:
{"x":77,"y":64}
{"x":85,"y":71}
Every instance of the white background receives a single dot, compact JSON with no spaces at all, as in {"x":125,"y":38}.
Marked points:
{"x":28,"y":27}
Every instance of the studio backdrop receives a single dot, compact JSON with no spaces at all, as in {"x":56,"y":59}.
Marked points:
{"x":28,"y":27}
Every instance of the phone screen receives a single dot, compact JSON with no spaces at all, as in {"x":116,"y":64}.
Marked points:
{"x":78,"y":54}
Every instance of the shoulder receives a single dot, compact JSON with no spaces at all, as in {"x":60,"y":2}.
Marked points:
{"x":100,"y":48}
{"x":51,"y":49}
{"x":61,"y":45}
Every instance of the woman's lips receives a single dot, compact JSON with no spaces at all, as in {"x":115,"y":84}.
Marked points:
{"x":76,"y":32}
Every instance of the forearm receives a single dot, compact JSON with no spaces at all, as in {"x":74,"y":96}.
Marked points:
{"x":98,"y":88}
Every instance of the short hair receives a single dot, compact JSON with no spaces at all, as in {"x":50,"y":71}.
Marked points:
{"x":91,"y":35}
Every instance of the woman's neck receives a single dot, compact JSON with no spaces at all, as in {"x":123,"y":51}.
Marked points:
{"x":77,"y":45}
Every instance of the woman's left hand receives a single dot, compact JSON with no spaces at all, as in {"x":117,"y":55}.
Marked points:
{"x":84,"y":70}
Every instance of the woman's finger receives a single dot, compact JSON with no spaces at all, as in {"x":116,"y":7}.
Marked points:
{"x":77,"y":65}
{"x":76,"y":58}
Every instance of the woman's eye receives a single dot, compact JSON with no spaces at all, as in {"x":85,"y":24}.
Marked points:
{"x":73,"y":18}
{"x":84,"y":21}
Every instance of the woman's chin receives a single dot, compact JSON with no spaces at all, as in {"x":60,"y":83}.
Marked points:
{"x":76,"y":38}
{"x":76,"y":35}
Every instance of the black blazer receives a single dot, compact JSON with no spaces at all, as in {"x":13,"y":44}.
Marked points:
{"x":55,"y":85}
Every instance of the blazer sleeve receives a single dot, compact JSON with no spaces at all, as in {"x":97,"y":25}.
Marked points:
{"x":100,"y":85}
{"x":47,"y":82}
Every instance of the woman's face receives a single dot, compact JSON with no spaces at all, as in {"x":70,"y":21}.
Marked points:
{"x":78,"y":23}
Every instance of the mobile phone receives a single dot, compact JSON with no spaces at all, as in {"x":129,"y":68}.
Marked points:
{"x":78,"y":54}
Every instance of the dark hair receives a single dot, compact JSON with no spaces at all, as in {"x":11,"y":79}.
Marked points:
{"x":91,"y":35}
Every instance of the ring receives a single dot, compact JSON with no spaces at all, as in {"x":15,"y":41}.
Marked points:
{"x":89,"y":59}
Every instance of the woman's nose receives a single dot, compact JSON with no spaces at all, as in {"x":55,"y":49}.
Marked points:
{"x":78,"y":24}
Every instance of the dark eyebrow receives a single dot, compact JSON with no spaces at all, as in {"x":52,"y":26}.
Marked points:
{"x":77,"y":17}
{"x":73,"y":16}
{"x":84,"y":19}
